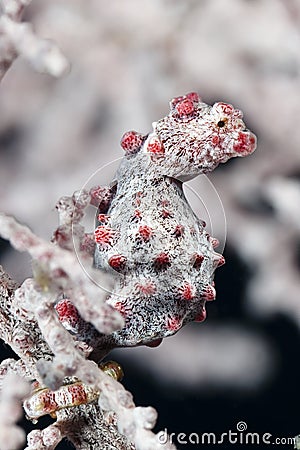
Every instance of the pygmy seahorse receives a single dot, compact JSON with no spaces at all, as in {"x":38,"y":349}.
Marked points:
{"x":146,"y":230}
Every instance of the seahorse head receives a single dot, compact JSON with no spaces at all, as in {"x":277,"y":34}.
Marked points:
{"x":195,"y":137}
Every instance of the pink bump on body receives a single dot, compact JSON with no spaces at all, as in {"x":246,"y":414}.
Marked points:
{"x":170,"y":257}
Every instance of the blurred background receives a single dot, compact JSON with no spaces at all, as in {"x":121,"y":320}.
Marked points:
{"x":129,"y":58}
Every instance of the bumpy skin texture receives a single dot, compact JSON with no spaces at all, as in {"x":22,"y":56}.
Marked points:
{"x":149,"y":236}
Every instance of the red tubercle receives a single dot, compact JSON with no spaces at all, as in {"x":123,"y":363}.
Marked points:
{"x":193,"y":231}
{"x":137,"y":199}
{"x":145,"y":232}
{"x":219,"y":259}
{"x":147,"y":288}
{"x":224,"y":108}
{"x":242,"y":143}
{"x":252,"y":139}
{"x":101,"y":197}
{"x":179,"y":230}
{"x":238,"y":114}
{"x":214,"y":241}
{"x":187,"y":291}
{"x":162,"y":261}
{"x":67,"y":312}
{"x":104,"y":235}
{"x":132,"y":141}
{"x":166,"y":213}
{"x":173,"y":323}
{"x":193,"y":96}
{"x":164,"y":202}
{"x":120,"y":307}
{"x":215,"y":140}
{"x":245,"y":144}
{"x":117,"y":262}
{"x":197,"y":260}
{"x":176,"y":100}
{"x":155,"y":146}
{"x":137,"y":214}
{"x":209,"y":293}
{"x":185,"y":108}
{"x":103,"y":218}
{"x":201,"y":316}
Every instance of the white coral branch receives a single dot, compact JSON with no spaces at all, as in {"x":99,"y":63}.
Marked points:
{"x":17,"y":367}
{"x":14,"y":389}
{"x":134,"y":422}
{"x":19,"y":39}
{"x":46,"y":439}
{"x":58,"y":269}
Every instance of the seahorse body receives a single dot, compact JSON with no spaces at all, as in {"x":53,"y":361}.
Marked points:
{"x":149,"y":235}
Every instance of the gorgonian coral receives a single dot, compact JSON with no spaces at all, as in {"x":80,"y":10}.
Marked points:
{"x":155,"y":259}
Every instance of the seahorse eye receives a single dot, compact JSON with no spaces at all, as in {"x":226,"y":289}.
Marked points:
{"x":221,"y":123}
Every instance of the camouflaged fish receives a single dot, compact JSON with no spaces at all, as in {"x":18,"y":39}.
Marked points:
{"x":147,"y":232}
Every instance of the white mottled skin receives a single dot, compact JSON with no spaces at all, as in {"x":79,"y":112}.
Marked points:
{"x":151,"y":183}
